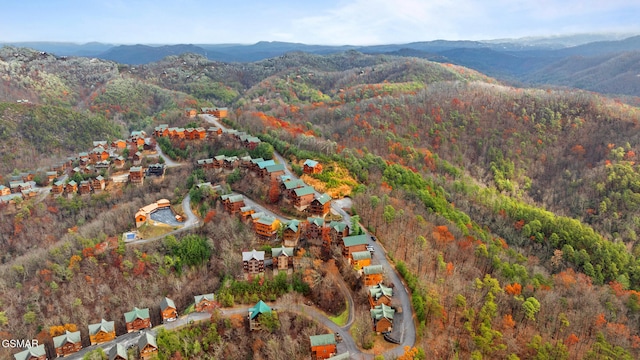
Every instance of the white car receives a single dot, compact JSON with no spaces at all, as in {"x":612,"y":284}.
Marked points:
{"x":370,"y":248}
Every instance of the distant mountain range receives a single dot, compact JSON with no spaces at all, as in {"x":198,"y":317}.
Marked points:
{"x":588,"y":61}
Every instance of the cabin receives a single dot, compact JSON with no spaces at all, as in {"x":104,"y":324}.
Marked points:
{"x":205,"y":163}
{"x":18,"y":186}
{"x":51,"y":176}
{"x":220,"y":113}
{"x":351,"y":244}
{"x":314,"y":228}
{"x":119,"y":144}
{"x":254,"y":314}
{"x":147,"y":346}
{"x":360,"y":259}
{"x":176,"y":133}
{"x":4,"y":190}
{"x":337,"y":231}
{"x":137,"y":158}
{"x":380,"y":294}
{"x":102,"y":165}
{"x":230,"y":162}
{"x":321,"y":205}
{"x":323,"y":346}
{"x":156,"y":169}
{"x":311,"y":167}
{"x":161,"y":130}
{"x":251,"y":142}
{"x":191,"y":112}
{"x":85,"y":187}
{"x":168,"y":311}
{"x":141,"y":218}
{"x":137,"y":319}
{"x":372,"y":275}
{"x":246,"y":212}
{"x":119,"y":162}
{"x":102,"y":332}
{"x":189,"y":133}
{"x":275,"y":171}
{"x":205,"y":302}
{"x":287,"y":187}
{"x":71,"y":187}
{"x":245,"y":162}
{"x":302,"y":197}
{"x":382,"y":316}
{"x":136,"y":175}
{"x":254,"y":164}
{"x":282,"y":258}
{"x":67,"y":343}
{"x":253,"y":262}
{"x":32,"y":353}
{"x":213,"y":132}
{"x":57,"y":188}
{"x":118,"y":352}
{"x":199,"y":133}
{"x":262,"y":167}
{"x":266,"y":227}
{"x":233,"y":203}
{"x":99,"y":183}
{"x":291,"y":233}
{"x":149,"y":144}
{"x":218,"y":161}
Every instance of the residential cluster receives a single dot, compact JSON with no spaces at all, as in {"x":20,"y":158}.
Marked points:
{"x":94,"y":166}
{"x":105,"y":331}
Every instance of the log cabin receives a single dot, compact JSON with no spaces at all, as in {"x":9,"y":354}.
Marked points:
{"x":254,"y":314}
{"x":321,"y":205}
{"x":323,"y":346}
{"x":71,"y":187}
{"x":382,"y":316}
{"x":302,"y":197}
{"x":99,"y":183}
{"x":337,"y":231}
{"x":380,"y":294}
{"x":118,"y":352}
{"x":266,"y":227}
{"x":32,"y":353}
{"x":137,"y":319}
{"x":311,"y":167}
{"x":253,"y":262}
{"x":102,"y":332}
{"x":205,"y":302}
{"x":57,"y":188}
{"x":136,"y":175}
{"x":291,"y":233}
{"x":372,"y":275}
{"x":191,"y":112}
{"x":67,"y":343}
{"x":168,"y":311}
{"x":360,"y":259}
{"x":147,"y":346}
{"x":314,"y":227}
{"x":351,"y":244}
{"x":282,"y":258}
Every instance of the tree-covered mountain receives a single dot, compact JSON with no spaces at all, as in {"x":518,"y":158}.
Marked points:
{"x":512,"y":213}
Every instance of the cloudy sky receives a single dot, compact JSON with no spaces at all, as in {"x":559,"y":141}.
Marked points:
{"x":352,"y":22}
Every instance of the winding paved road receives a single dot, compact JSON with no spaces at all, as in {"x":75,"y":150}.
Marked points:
{"x":404,"y":327}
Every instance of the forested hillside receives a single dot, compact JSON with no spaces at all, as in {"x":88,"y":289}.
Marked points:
{"x":512,"y":214}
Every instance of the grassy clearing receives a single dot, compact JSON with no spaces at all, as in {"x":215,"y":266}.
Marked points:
{"x":341,"y":319}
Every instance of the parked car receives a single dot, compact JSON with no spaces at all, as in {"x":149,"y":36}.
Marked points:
{"x":373,"y":238}
{"x":370,"y":248}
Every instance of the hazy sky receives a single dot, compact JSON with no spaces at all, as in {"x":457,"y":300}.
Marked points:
{"x":353,"y":22}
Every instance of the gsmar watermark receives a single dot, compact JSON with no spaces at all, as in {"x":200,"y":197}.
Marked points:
{"x":19,"y":343}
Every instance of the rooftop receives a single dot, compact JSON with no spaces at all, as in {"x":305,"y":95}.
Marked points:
{"x":319,"y":340}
